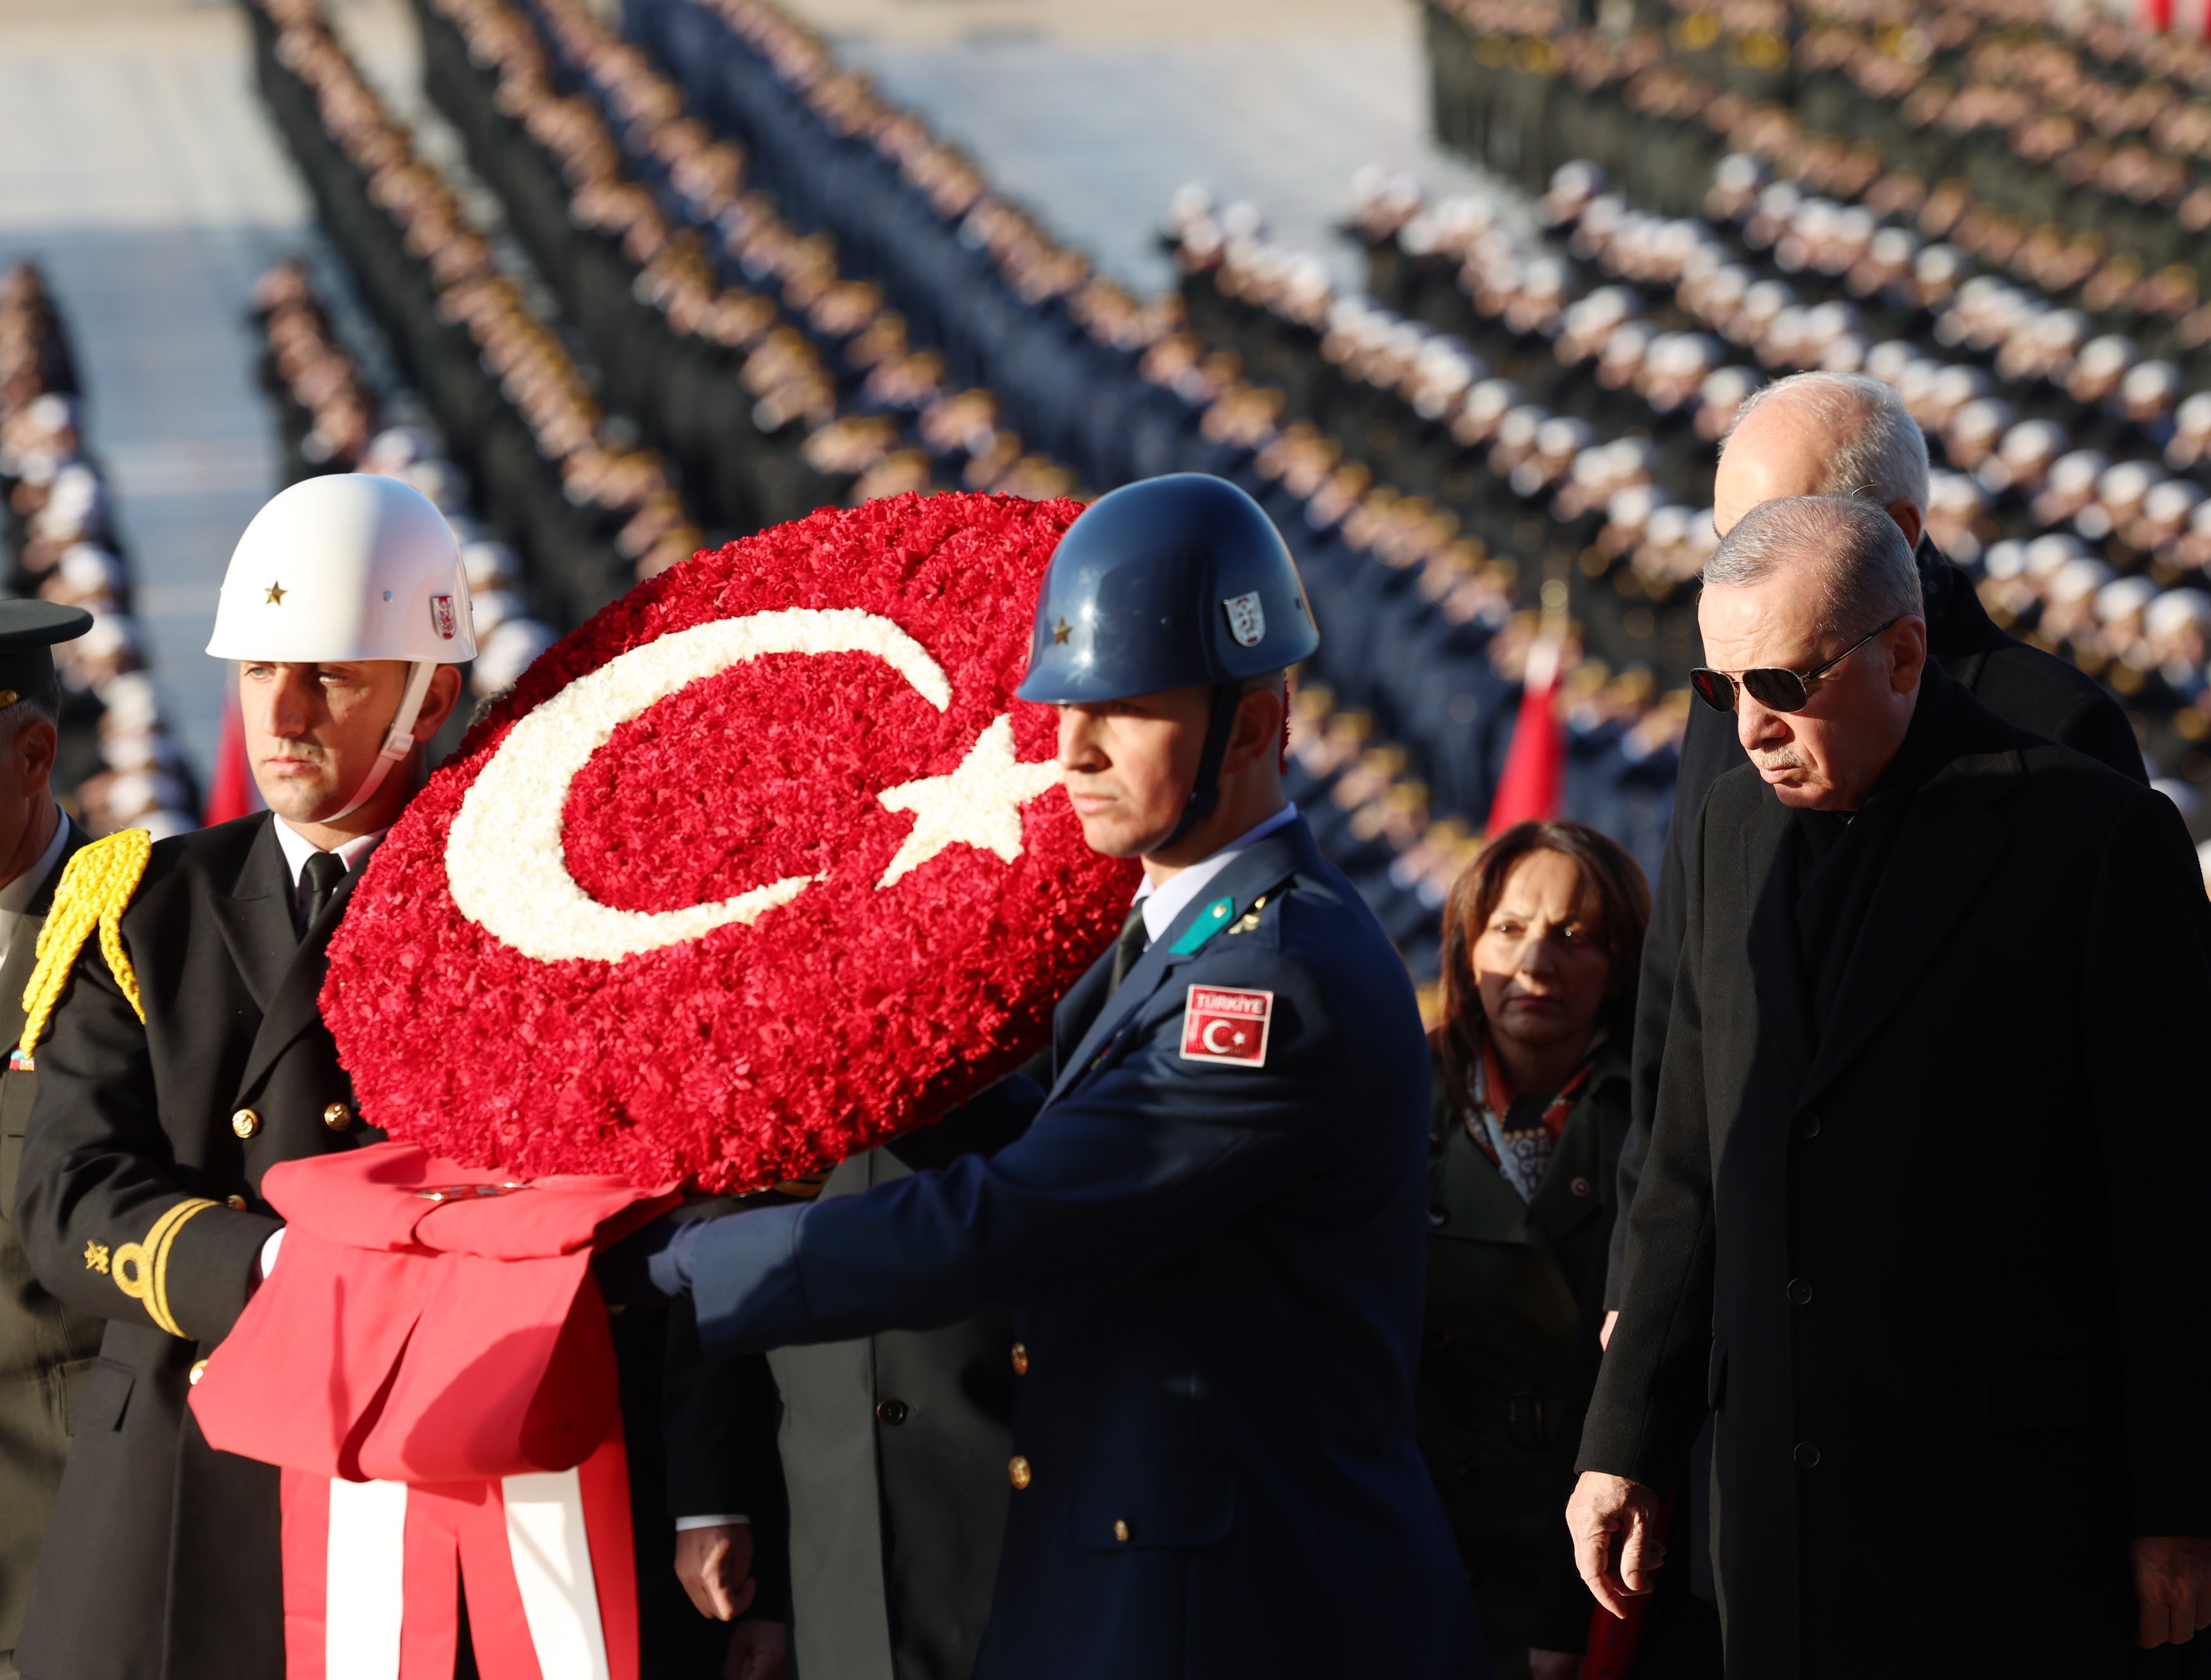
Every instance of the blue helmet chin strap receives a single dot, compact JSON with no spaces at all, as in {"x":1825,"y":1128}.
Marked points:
{"x":1205,"y":793}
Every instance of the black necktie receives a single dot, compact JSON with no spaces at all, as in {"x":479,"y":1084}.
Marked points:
{"x":323,"y":874}
{"x":1127,"y":949}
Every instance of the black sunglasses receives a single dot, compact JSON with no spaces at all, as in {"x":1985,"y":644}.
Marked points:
{"x":1775,"y":689}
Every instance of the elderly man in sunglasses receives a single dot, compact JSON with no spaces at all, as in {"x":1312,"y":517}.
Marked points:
{"x":1919,"y":1222}
{"x":1843,"y":434}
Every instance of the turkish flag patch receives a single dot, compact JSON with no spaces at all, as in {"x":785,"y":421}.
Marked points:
{"x":1224,"y":1024}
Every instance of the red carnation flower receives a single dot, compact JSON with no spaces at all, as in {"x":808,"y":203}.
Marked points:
{"x":763,"y":866}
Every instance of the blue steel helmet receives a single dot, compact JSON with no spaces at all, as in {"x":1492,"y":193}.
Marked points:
{"x":1168,"y":583}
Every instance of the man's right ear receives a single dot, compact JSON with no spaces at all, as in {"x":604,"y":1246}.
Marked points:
{"x":1260,"y":716}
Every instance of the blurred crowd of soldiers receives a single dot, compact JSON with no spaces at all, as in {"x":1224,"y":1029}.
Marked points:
{"x":771,"y":290}
{"x":118,"y":765}
{"x":331,"y":415}
{"x":2058,"y":147}
{"x":730,"y":296}
{"x":1553,"y":391}
{"x":548,"y":474}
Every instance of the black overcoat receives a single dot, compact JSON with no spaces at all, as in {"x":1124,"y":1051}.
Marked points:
{"x":162,"y":1558}
{"x":2021,"y":684}
{"x":1935,"y":1264}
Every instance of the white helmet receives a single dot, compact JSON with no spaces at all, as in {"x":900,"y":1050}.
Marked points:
{"x":349,"y":566}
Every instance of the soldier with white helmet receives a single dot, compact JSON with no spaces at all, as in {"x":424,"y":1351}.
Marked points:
{"x":181,"y":1054}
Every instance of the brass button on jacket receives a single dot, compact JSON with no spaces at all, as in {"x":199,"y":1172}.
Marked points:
{"x":1021,"y":1359}
{"x":337,"y":1116}
{"x":235,"y":1204}
{"x":1019,"y":1472}
{"x":245,"y":1122}
{"x":1120,"y":1531}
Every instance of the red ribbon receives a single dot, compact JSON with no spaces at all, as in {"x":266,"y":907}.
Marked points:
{"x":431,"y":1365}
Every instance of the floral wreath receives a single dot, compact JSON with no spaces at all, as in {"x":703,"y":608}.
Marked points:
{"x":763,"y":866}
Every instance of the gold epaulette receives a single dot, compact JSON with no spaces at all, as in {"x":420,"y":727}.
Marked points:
{"x":93,"y":892}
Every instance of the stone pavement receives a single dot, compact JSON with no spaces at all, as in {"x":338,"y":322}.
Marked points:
{"x":1091,"y":112}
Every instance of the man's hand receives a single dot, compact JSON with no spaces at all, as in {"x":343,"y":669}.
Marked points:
{"x":758,"y":1651}
{"x":1615,"y":1523}
{"x":1554,"y":1664}
{"x":716,"y":1567}
{"x":2173,"y":1585}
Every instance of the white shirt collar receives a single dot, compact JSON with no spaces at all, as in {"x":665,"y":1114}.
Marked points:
{"x":15,"y":897}
{"x":1163,"y":904}
{"x":298,"y":848}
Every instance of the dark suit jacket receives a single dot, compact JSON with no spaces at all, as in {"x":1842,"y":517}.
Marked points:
{"x":45,"y":1346}
{"x":894,"y":1451}
{"x":1218,"y":1272}
{"x":2024,"y":686}
{"x":1923,"y":1255}
{"x":162,"y":1559}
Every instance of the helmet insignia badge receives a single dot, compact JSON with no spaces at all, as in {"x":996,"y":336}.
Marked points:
{"x":1060,"y":632}
{"x":1247,"y":618}
{"x":442,"y":618}
{"x":276,"y":594}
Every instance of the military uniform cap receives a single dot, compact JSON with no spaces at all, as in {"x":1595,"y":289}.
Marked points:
{"x":28,"y":630}
{"x":1168,"y":583}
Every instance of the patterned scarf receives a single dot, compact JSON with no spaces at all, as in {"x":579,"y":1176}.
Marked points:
{"x":1522,"y":1153}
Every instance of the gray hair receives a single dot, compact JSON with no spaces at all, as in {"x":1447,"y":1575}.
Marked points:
{"x":1877,"y":451}
{"x":1869,"y":572}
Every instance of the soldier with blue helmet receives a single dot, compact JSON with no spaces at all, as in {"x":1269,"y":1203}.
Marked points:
{"x":1212,"y":1228}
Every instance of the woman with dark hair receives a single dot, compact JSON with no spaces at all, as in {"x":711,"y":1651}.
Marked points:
{"x":1543,"y":940}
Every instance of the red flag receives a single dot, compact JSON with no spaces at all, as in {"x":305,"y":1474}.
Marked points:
{"x":1535,"y":768}
{"x":231,"y":791}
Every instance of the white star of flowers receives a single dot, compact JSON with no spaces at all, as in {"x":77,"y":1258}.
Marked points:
{"x":979,"y":804}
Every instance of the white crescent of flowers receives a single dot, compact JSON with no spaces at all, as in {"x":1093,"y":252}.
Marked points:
{"x":506,"y":860}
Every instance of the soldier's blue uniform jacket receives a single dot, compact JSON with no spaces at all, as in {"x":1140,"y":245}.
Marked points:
{"x":1218,"y":1269}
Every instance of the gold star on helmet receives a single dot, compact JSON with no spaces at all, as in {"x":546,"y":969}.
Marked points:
{"x":277,"y":593}
{"x":1060,"y":632}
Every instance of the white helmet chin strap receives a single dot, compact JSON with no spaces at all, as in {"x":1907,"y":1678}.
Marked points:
{"x":398,"y":740}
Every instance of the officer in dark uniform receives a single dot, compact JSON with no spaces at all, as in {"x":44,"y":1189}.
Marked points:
{"x":1213,"y":1229}
{"x":893,"y":1452}
{"x":45,"y":1346}
{"x":174,"y":1020}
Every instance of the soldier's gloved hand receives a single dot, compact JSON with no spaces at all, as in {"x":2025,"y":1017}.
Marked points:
{"x":654,"y":1260}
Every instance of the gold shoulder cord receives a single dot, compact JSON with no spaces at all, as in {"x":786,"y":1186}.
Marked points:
{"x":141,"y":1269}
{"x":93,"y":892}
